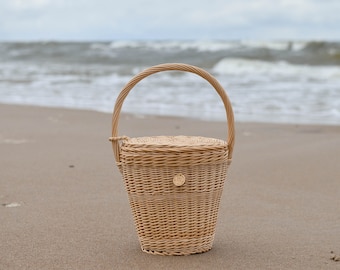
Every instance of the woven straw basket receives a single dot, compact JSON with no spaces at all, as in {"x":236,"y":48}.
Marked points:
{"x":174,"y":183}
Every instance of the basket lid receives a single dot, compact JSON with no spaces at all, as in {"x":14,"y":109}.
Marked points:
{"x":174,"y":141}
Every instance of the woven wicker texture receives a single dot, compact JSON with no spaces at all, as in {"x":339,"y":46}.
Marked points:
{"x":174,"y":183}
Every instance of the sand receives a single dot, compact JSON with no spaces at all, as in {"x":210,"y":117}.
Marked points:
{"x":63,"y":203}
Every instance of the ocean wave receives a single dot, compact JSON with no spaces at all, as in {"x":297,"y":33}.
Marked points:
{"x":270,"y":81}
{"x":204,"y":53}
{"x":275,"y":45}
{"x":240,"y":66}
{"x":199,"y":45}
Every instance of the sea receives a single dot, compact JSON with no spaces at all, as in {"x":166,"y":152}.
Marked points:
{"x":294,"y":82}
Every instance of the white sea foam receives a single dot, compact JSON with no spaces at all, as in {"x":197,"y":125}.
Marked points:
{"x":238,"y":66}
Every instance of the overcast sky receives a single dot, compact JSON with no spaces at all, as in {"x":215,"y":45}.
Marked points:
{"x":171,"y":19}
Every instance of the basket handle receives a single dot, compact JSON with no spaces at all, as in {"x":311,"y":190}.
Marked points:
{"x":165,"y":67}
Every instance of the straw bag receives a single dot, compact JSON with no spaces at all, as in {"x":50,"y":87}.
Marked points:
{"x":174,"y":183}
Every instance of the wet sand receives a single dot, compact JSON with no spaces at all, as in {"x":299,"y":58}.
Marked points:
{"x":63,"y":203}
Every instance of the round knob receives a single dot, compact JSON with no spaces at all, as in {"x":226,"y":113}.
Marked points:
{"x":179,"y":180}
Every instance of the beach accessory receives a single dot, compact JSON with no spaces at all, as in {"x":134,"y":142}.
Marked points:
{"x":174,"y":183}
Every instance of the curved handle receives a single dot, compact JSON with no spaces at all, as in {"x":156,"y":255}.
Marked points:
{"x":179,"y":67}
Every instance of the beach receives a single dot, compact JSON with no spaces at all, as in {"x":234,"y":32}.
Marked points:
{"x":63,"y":204}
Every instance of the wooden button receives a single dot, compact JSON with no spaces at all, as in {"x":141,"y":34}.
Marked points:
{"x":179,"y":180}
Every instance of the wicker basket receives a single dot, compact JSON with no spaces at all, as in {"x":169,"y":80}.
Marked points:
{"x":174,"y":183}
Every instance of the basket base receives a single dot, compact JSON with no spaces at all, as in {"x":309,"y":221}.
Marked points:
{"x":179,"y":247}
{"x":172,"y":253}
